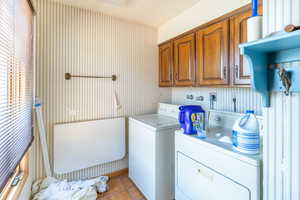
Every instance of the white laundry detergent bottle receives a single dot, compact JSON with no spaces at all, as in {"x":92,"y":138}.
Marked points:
{"x":245,"y":134}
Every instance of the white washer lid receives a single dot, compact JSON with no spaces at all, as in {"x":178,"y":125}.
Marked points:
{"x":157,"y":121}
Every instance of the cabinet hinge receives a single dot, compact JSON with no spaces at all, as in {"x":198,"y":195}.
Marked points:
{"x":236,"y":69}
{"x":224,"y":72}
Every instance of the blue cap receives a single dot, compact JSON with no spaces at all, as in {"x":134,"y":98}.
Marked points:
{"x":254,"y":8}
{"x":249,"y":111}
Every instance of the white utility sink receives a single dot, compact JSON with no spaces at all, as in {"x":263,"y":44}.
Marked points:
{"x":218,"y":134}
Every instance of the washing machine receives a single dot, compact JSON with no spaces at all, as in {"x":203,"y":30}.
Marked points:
{"x":151,"y":152}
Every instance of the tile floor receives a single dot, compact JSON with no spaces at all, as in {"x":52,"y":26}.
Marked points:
{"x":121,"y":188}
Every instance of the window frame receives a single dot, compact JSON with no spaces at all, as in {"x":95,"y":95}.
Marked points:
{"x":13,"y":192}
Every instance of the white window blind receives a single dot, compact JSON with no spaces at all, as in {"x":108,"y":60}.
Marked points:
{"x":16,"y":84}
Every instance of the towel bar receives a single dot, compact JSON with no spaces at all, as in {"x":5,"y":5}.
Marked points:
{"x":68,"y":76}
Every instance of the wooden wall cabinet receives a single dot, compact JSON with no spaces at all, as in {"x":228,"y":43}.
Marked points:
{"x":212,"y":47}
{"x":184,"y":60}
{"x":208,"y":55}
{"x":238,"y":33}
{"x":166,"y":65}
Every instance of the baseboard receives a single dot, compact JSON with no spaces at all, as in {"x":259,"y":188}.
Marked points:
{"x":117,"y":173}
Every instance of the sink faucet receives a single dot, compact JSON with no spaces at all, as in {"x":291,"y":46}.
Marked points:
{"x":212,"y":99}
{"x":234,"y":104}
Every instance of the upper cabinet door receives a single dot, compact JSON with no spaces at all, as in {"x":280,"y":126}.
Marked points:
{"x":212,"y":54}
{"x":184,"y":60}
{"x":238,"y":29}
{"x":166,"y":65}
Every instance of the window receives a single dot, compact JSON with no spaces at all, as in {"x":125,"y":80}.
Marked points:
{"x":16,"y":85}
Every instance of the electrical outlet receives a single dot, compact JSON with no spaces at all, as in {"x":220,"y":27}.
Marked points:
{"x":189,"y":96}
{"x":200,"y":98}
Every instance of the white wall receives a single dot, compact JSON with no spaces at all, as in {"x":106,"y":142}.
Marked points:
{"x":200,"y":13}
{"x":83,"y":42}
{"x":282,"y":119}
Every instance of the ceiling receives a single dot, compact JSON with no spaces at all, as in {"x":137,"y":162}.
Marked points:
{"x":149,"y":12}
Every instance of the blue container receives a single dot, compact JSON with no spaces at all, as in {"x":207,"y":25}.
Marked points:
{"x":190,"y":117}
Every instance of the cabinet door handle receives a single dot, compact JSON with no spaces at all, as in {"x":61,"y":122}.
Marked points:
{"x":236,"y":69}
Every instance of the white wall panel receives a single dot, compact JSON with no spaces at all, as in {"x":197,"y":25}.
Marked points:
{"x":179,"y":96}
{"x":246,"y":98}
{"x":83,"y":42}
{"x":282,"y":136}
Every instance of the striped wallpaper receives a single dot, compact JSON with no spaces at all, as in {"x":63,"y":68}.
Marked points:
{"x":83,"y":42}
